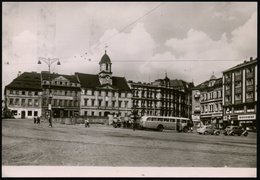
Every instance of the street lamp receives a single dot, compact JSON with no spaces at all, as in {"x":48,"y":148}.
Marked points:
{"x":49,"y":62}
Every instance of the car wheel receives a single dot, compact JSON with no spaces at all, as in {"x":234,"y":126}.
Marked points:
{"x":206,"y":132}
{"x":217,"y":133}
{"x":245,"y":134}
{"x":239,"y":134}
{"x":185,"y":129}
{"x":232,"y":134}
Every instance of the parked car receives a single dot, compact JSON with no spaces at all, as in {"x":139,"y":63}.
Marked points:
{"x":232,"y":130}
{"x":208,"y":130}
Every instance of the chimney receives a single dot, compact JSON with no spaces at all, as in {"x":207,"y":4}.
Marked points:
{"x":251,"y":58}
{"x":19,"y":73}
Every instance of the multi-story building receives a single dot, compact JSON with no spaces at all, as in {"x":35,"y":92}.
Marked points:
{"x":240,"y":94}
{"x":63,"y":93}
{"x":23,"y":95}
{"x":207,"y":102}
{"x":185,"y":87}
{"x":104,"y":94}
{"x":158,"y":98}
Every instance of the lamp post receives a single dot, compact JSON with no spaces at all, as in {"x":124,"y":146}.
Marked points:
{"x":49,"y":62}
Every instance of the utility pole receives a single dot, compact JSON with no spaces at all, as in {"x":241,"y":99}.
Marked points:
{"x":49,"y":62}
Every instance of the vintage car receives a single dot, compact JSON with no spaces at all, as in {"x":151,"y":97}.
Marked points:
{"x":232,"y":130}
{"x":208,"y":129}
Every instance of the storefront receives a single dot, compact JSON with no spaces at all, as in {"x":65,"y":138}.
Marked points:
{"x":247,"y":120}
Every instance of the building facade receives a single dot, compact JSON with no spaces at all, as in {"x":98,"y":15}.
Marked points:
{"x":63,"y":93}
{"x":103,"y":94}
{"x":240,"y":94}
{"x":23,"y":96}
{"x":207,"y":102}
{"x":158,"y":98}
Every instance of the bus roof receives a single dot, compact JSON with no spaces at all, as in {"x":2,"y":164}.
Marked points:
{"x":169,"y":117}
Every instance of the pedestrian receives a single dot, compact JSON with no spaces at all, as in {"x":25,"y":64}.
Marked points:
{"x":35,"y":120}
{"x":50,"y":123}
{"x":38,"y":120}
{"x":87,"y":123}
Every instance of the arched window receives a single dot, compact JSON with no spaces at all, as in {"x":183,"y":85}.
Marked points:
{"x":107,"y":67}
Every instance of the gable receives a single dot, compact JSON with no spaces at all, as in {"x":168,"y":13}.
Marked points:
{"x":60,"y":78}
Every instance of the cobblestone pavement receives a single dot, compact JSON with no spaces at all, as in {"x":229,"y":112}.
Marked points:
{"x":25,"y":143}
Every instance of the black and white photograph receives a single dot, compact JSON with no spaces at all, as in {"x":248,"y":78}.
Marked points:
{"x":129,"y":89}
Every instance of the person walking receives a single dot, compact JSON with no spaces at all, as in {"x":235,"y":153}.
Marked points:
{"x":38,"y":120}
{"x":50,"y":123}
{"x":35,"y":119}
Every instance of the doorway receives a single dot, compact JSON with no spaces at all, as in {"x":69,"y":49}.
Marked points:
{"x":23,"y":114}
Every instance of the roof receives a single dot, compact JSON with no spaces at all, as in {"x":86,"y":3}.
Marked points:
{"x":71,"y":78}
{"x":105,"y":59}
{"x":180,"y":84}
{"x":205,"y":84}
{"x":92,"y":81}
{"x":26,"y":81}
{"x":244,"y":64}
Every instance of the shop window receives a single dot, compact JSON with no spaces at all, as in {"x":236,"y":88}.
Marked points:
{"x":35,"y":113}
{"x":29,"y":113}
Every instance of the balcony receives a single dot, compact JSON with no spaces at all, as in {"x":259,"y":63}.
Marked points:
{"x":238,"y":101}
{"x":238,"y":78}
{"x":249,"y":88}
{"x":228,"y":92}
{"x":238,"y":90}
{"x":249,"y":75}
{"x":250,"y":100}
{"x":227,"y":80}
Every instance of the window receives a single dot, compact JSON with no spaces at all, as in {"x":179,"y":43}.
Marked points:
{"x":14,"y":112}
{"x":11,"y":101}
{"x":16,"y":101}
{"x":30,"y":102}
{"x":106,"y":103}
{"x":29,"y":113}
{"x":23,"y":92}
{"x":99,"y":102}
{"x":250,"y":108}
{"x":119,"y":103}
{"x":113,"y":103}
{"x":238,"y":97}
{"x":92,"y":113}
{"x":100,"y":113}
{"x":23,"y":102}
{"x":17,"y":92}
{"x":85,"y":113}
{"x":93,"y":102}
{"x":85,"y":102}
{"x":35,"y":113}
{"x":36,"y":102}
{"x":249,"y":95}
{"x":11,"y":92}
{"x":36,"y":93}
{"x":92,"y":92}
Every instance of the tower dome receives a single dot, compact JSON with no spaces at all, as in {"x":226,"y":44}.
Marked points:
{"x":105,"y":59}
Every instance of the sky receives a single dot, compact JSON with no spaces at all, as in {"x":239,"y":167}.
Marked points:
{"x":187,"y":40}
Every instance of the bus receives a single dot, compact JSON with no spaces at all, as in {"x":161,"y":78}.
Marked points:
{"x":163,"y":122}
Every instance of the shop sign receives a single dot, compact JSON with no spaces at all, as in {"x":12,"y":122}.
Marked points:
{"x":246,"y":117}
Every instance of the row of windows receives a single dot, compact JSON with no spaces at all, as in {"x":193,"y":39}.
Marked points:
{"x":91,"y":102}
{"x":211,"y":95}
{"x":166,"y":120}
{"x":238,"y":72}
{"x":211,"y":108}
{"x":29,"y":113}
{"x":249,"y":95}
{"x":106,"y":93}
{"x":61,"y":102}
{"x":62,"y":83}
{"x":29,"y":93}
{"x":23,"y":102}
{"x":61,"y":92}
{"x":101,"y":114}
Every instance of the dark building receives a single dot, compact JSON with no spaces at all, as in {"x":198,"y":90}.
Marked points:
{"x":23,"y":95}
{"x":159,"y":98}
{"x":240,"y":94}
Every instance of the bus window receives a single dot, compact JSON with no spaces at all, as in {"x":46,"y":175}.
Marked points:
{"x":166,"y":120}
{"x":183,"y":121}
{"x":173,"y":120}
{"x":153,"y":119}
{"x":149,"y":119}
{"x":178,"y":120}
{"x":160,"y":119}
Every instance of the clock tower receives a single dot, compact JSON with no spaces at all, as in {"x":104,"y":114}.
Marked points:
{"x":105,"y":73}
